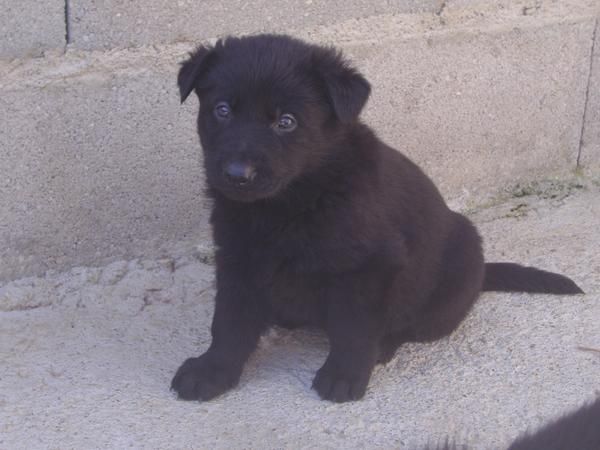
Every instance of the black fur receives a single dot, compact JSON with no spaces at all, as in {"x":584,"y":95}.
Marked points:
{"x":509,"y":277}
{"x":323,"y":224}
{"x":577,"y":430}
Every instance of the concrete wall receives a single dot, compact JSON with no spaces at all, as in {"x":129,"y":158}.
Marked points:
{"x":97,"y":166}
{"x":590,"y":149}
{"x":29,"y":27}
{"x":99,"y":161}
{"x":118,"y":23}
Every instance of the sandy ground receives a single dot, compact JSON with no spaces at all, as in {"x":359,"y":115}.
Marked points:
{"x":87,"y":355}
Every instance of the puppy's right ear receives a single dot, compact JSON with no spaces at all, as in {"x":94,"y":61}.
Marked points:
{"x":193,"y":69}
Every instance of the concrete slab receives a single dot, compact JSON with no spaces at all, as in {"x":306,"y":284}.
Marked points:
{"x":480,"y":109}
{"x":114,"y":23}
{"x":590,"y":150}
{"x":29,"y":27}
{"x":93,"y":366}
{"x":525,"y":7}
{"x":98,"y":165}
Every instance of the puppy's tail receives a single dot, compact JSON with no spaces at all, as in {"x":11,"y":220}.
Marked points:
{"x":510,"y":277}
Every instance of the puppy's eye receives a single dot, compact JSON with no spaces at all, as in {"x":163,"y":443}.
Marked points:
{"x":222,"y":110}
{"x":286,"y":122}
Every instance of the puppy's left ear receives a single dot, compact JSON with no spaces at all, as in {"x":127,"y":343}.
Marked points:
{"x":193,"y":69}
{"x":347,"y":89}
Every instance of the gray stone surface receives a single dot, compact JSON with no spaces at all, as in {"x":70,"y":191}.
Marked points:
{"x":97,"y":164}
{"x":590,"y":151}
{"x":481,"y":109}
{"x":115,"y":23}
{"x":28,"y":27}
{"x":91,"y":368}
{"x":525,"y":7}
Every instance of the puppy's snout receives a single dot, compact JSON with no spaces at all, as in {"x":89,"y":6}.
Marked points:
{"x":239,"y":173}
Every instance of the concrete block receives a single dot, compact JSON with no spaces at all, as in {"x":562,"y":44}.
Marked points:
{"x":29,"y":27}
{"x":478,"y":110}
{"x":590,"y":151}
{"x":116,"y":23}
{"x":95,"y":165}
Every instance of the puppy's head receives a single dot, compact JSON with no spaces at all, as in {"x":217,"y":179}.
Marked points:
{"x":272,"y":108}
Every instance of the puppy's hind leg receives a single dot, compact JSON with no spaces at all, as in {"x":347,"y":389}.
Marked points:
{"x":459,"y":284}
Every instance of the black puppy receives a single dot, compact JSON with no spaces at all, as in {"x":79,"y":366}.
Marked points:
{"x":577,"y":430}
{"x":318,"y":222}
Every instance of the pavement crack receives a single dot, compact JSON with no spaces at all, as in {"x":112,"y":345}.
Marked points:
{"x":587,"y":95}
{"x":441,"y":10}
{"x":26,"y":307}
{"x":532,"y":10}
{"x":67,"y":24}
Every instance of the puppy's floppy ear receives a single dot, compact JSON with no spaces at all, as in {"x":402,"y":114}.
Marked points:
{"x":347,"y":89}
{"x":193,"y":69}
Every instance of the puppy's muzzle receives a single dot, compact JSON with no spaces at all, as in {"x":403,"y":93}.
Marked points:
{"x":239,"y":174}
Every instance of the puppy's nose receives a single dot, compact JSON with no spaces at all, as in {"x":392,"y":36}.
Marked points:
{"x":239,"y":173}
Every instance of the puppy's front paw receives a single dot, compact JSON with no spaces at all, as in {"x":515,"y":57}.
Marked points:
{"x":331,"y":383}
{"x":203,"y":379}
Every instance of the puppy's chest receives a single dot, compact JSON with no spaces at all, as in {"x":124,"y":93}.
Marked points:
{"x":295,"y":299}
{"x":282,"y":264}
